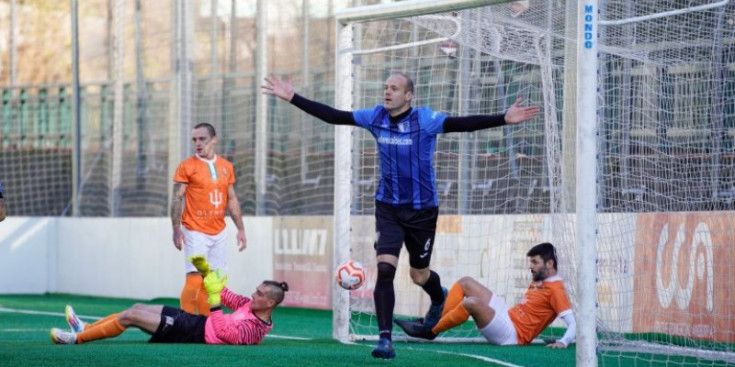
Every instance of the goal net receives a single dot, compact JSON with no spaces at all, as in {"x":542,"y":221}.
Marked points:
{"x":664,"y":168}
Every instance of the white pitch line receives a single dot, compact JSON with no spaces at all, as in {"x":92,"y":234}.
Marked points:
{"x":21,"y":330}
{"x":61,"y":314}
{"x":286,"y":337}
{"x":44,"y":313}
{"x":482,"y":358}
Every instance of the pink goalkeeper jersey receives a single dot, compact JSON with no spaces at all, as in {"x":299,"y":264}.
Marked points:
{"x":239,"y":327}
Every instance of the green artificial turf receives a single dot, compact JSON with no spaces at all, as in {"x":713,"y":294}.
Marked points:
{"x":300,"y":337}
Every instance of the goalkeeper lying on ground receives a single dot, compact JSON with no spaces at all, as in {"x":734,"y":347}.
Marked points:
{"x":249,"y":323}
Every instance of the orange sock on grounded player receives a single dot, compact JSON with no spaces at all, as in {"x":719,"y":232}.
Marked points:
{"x":101,"y":321}
{"x":455,"y":317}
{"x":454,"y":297}
{"x":189,"y":300}
{"x":202,"y":303}
{"x":111,"y":327}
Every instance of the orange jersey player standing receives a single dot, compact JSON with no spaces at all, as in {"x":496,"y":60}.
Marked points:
{"x":544,"y":301}
{"x":203,"y":193}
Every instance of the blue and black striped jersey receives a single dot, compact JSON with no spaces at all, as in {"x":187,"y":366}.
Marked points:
{"x":406,"y":151}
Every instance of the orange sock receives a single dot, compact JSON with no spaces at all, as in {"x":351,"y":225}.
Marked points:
{"x":100,"y":321}
{"x":202,"y":303}
{"x":111,"y":327}
{"x":455,"y":317}
{"x":190,"y":293}
{"x":454,"y":297}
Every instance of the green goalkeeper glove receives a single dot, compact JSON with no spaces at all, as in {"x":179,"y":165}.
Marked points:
{"x":200,"y":262}
{"x":214,"y":283}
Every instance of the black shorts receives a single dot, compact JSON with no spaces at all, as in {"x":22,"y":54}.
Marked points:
{"x":395,"y":225}
{"x":177,"y":326}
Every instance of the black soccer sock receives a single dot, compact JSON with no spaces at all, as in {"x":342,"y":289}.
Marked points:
{"x":433,"y":287}
{"x":385,"y":298}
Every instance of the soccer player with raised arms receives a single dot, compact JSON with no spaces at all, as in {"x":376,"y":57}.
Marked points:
{"x":544,"y":301}
{"x":203,"y":192}
{"x":406,"y":199}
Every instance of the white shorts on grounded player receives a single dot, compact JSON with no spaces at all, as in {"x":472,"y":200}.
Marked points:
{"x":211,"y":246}
{"x":500,"y":330}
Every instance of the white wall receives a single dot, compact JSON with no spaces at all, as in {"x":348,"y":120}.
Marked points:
{"x":116,"y":257}
{"x":27,"y":259}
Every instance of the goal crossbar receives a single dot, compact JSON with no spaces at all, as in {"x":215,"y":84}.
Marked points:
{"x":404,"y":9}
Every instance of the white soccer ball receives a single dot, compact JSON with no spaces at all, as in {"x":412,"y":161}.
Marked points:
{"x":351,"y":275}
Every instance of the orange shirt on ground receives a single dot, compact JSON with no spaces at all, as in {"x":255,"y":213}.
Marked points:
{"x":543,"y":302}
{"x":206,"y":198}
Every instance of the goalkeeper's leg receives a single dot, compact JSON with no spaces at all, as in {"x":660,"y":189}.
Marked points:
{"x":146,"y":317}
{"x":102,"y":321}
{"x":108,"y":327}
{"x":77,"y":325}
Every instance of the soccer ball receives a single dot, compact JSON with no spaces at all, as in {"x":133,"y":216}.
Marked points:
{"x":351,"y":275}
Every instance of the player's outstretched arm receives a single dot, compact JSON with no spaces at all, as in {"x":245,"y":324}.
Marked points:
{"x":517,"y":114}
{"x":281,"y":88}
{"x":514,"y":115}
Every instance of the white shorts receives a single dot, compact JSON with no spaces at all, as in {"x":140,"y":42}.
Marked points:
{"x":211,"y":246}
{"x":500,"y":330}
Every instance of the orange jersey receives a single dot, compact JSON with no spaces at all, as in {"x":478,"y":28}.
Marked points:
{"x":543,"y":302}
{"x":205,"y":199}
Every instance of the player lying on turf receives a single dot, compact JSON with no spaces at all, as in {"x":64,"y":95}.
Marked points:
{"x":544,"y":300}
{"x":249,"y":323}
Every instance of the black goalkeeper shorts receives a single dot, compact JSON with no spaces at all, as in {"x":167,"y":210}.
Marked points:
{"x":177,"y":326}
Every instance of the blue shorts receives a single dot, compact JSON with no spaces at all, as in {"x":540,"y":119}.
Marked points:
{"x":396,"y":225}
{"x":177,"y":326}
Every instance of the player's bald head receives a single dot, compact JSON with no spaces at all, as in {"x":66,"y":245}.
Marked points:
{"x":406,"y":78}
